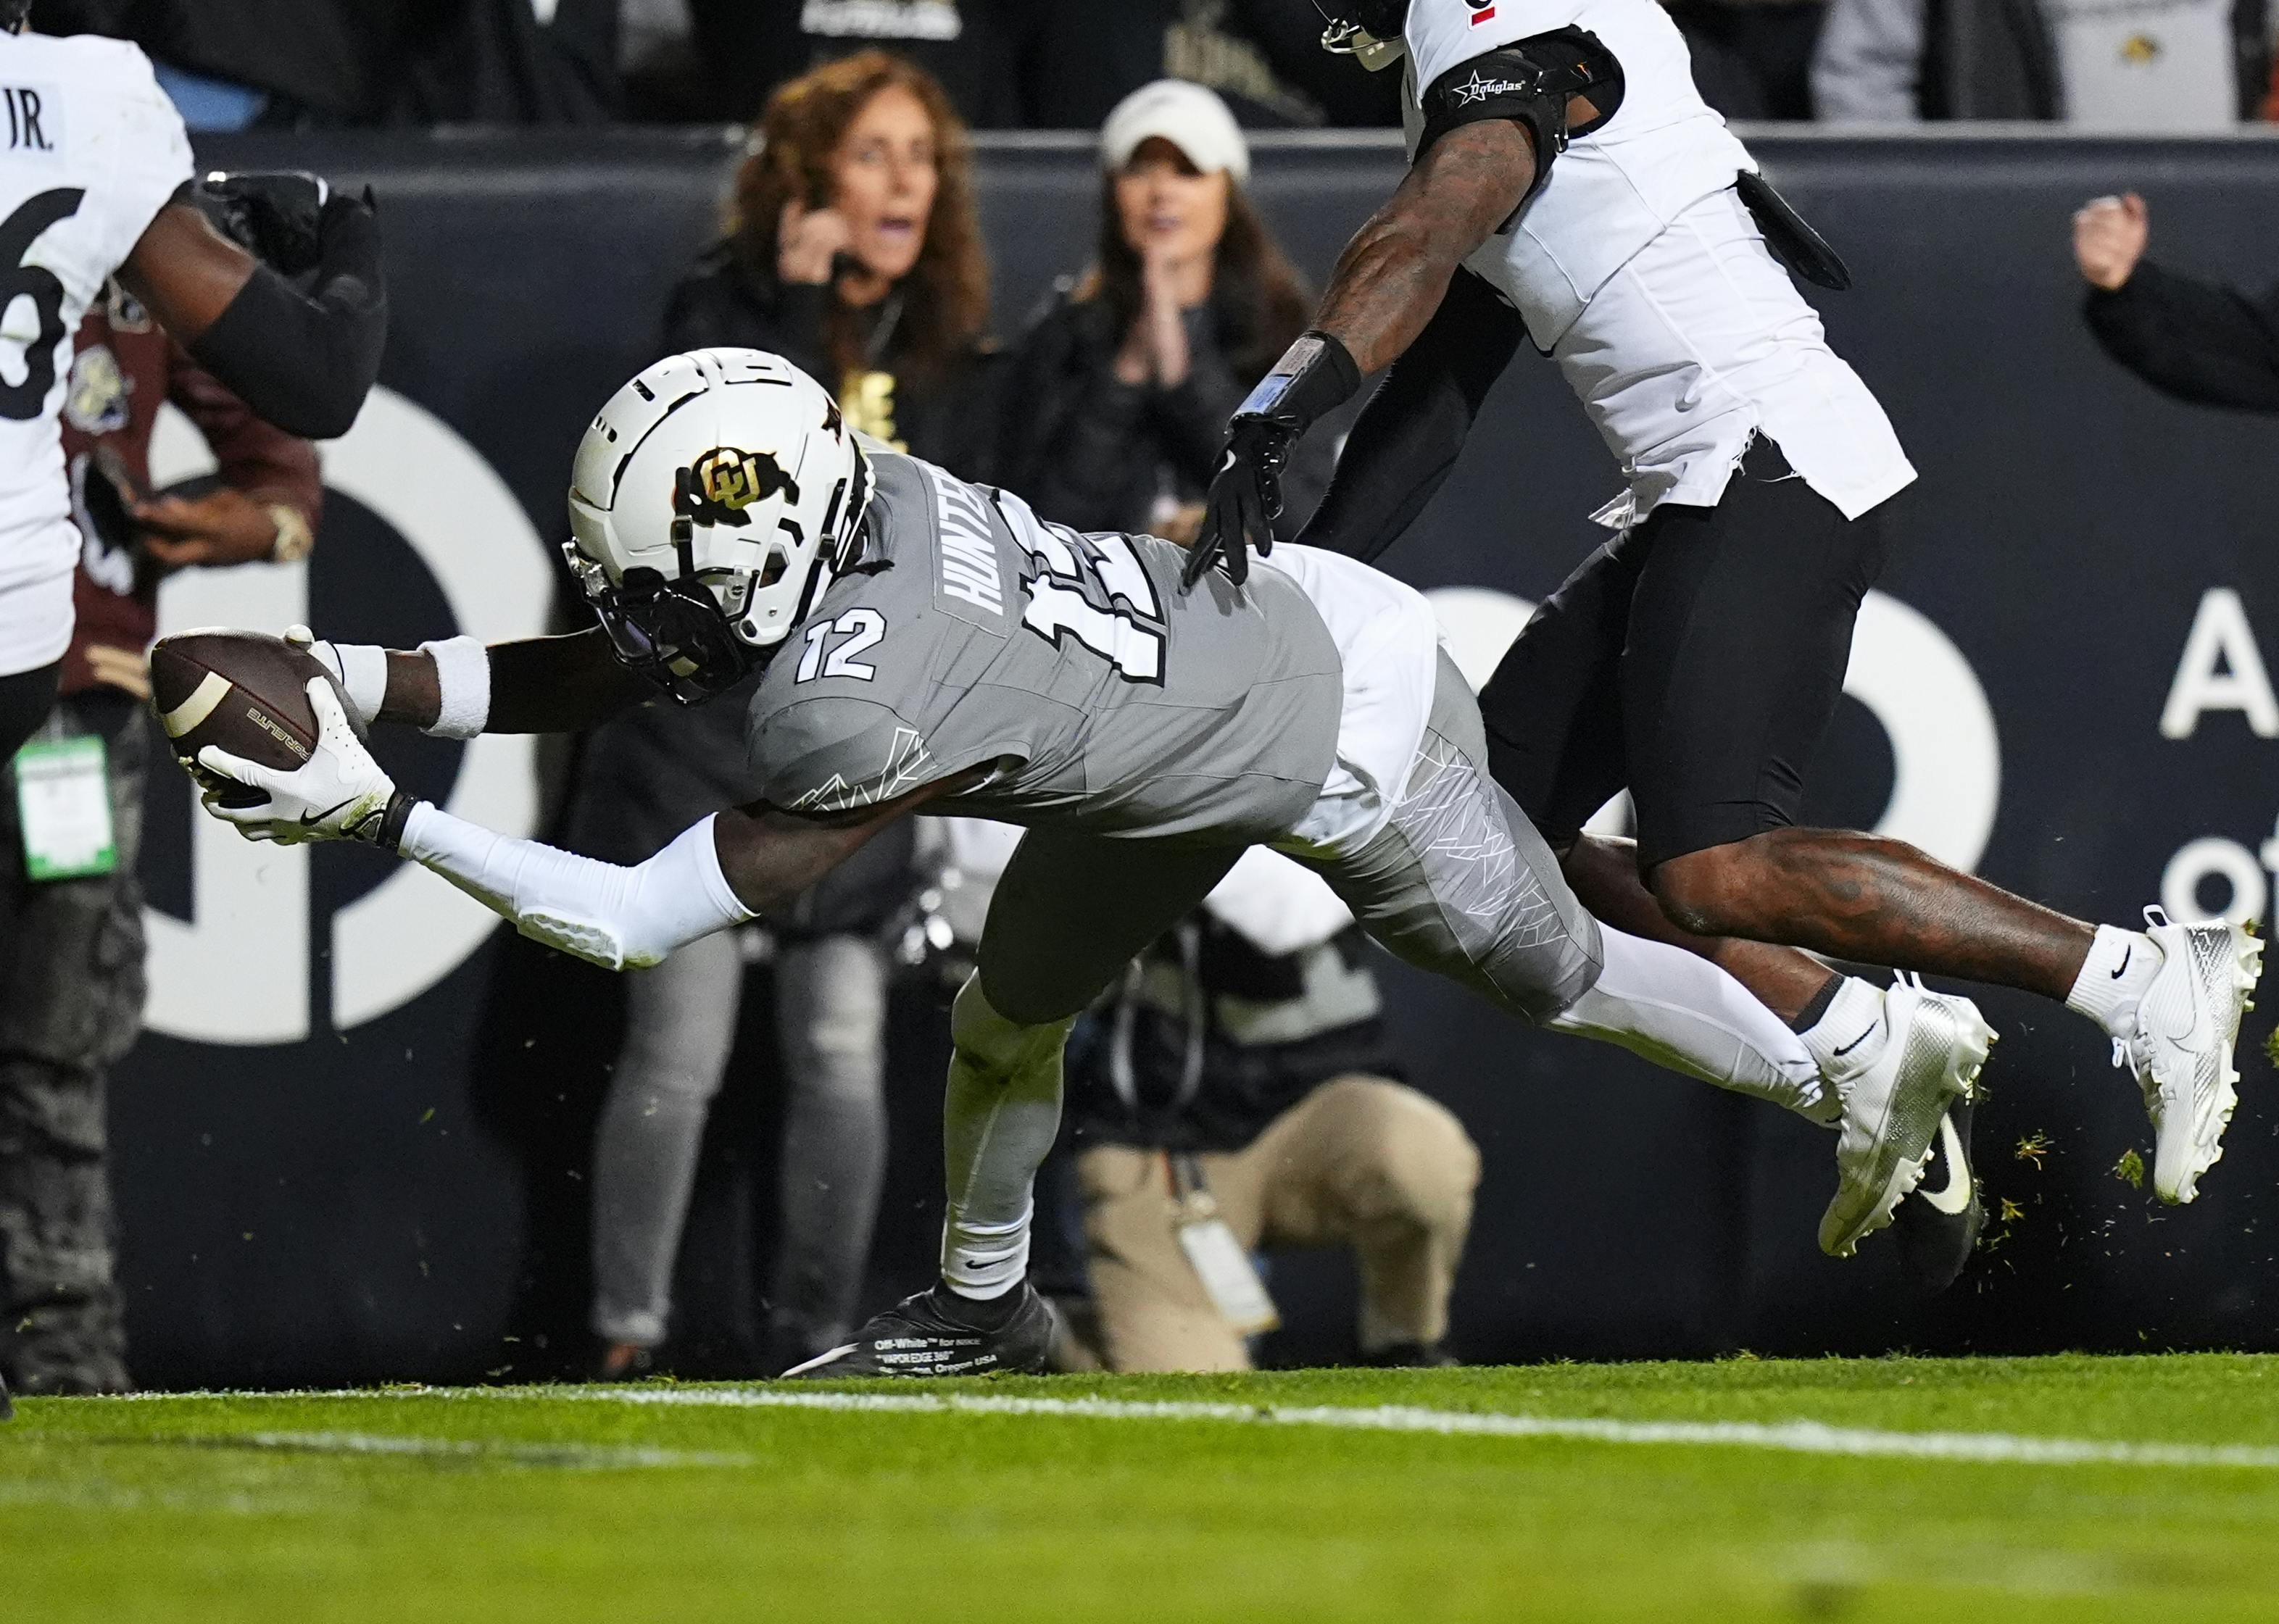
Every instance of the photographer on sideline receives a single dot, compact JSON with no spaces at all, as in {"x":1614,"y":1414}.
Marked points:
{"x":2202,"y":342}
{"x":1236,"y":1093}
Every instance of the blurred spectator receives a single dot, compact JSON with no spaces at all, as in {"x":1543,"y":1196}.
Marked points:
{"x":853,"y":249}
{"x":1006,"y":64}
{"x":1751,"y":59}
{"x":2198,"y":340}
{"x":1242,"y":1074}
{"x":289,"y":64}
{"x":71,"y":907}
{"x":2135,"y":66}
{"x":1265,"y":57}
{"x":1122,"y":389}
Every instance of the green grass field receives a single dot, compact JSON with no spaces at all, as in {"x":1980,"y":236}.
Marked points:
{"x":689,"y":1502}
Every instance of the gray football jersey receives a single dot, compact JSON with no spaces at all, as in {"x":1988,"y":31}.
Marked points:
{"x":1114,"y":704}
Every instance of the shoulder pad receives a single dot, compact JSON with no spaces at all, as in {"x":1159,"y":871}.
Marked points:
{"x":1531,"y":81}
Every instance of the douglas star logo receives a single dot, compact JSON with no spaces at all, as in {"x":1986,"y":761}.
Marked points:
{"x":1476,"y":90}
{"x":718,"y":487}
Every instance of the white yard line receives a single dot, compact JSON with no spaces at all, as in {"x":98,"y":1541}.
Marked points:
{"x":1805,"y":1437}
{"x":593,"y":1456}
{"x":1808,"y":1437}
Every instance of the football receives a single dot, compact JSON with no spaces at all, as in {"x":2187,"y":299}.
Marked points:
{"x":244,"y":691}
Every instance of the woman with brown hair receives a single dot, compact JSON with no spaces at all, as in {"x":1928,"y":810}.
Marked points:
{"x":851,"y":249}
{"x":1124,"y":385}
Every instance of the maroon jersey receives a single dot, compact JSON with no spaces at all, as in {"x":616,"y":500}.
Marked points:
{"x":124,"y":367}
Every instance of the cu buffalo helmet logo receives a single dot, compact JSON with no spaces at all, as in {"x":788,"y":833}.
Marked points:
{"x":718,"y":487}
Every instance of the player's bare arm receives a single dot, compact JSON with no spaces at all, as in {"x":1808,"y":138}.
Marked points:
{"x":213,"y":268}
{"x":185,"y":272}
{"x":1464,"y":188}
{"x":538,"y":685}
{"x":1394,"y":274}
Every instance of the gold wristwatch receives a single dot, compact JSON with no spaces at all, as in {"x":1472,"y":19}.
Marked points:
{"x":294,"y":540}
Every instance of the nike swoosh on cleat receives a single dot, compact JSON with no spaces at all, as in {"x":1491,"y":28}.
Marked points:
{"x":1955,"y":1199}
{"x":1856,"y":1042}
{"x":2126,"y":953}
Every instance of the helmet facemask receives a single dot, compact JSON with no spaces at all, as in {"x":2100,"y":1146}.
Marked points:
{"x":1369,"y":31}
{"x":742,"y":501}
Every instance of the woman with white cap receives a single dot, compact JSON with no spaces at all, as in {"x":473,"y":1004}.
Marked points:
{"x":1125,"y":381}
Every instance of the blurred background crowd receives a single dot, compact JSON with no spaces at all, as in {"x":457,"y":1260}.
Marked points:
{"x":1239,"y":1092}
{"x":2109,"y":65}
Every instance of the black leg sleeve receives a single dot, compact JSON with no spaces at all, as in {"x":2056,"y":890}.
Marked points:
{"x":1410,"y":433}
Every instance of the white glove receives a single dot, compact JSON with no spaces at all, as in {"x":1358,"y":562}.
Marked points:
{"x":339,"y":793}
{"x":361,"y":669}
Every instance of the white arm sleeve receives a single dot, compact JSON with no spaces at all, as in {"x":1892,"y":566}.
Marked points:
{"x":616,"y":917}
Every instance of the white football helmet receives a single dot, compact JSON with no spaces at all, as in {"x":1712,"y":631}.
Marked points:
{"x":713,"y":501}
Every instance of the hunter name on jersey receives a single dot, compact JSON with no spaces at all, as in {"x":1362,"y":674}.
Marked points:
{"x":968,"y":558}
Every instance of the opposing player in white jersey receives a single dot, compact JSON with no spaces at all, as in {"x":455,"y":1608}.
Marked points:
{"x":1567,"y":185}
{"x":930,"y":642}
{"x":95,"y":181}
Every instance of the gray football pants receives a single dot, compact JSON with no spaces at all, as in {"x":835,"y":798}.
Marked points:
{"x":831,"y":1011}
{"x":1458,"y":882}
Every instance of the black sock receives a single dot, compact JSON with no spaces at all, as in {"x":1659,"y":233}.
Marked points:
{"x":1809,"y":1016}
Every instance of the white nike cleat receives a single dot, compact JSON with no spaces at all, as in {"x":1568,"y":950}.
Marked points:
{"x":2181,"y":1049}
{"x":1934,"y":1047}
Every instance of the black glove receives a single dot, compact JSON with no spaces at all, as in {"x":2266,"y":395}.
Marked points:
{"x":1245,"y":499}
{"x":278,"y":216}
{"x":1313,"y":376}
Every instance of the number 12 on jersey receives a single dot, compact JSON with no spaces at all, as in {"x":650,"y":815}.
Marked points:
{"x":1068,"y":561}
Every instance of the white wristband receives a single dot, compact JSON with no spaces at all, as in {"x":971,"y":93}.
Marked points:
{"x":364,"y":678}
{"x":463,"y":678}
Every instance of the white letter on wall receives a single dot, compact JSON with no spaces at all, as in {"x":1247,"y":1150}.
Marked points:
{"x":2221,"y":670}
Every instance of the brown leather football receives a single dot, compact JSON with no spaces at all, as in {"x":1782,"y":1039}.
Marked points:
{"x":244,"y":691}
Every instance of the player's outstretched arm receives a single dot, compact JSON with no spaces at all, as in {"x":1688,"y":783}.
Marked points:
{"x":1388,"y":283}
{"x":301,"y":361}
{"x":728,"y":868}
{"x":459,"y":688}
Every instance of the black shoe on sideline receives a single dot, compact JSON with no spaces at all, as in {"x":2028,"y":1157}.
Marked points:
{"x":1938,"y":1224}
{"x":938,"y":1333}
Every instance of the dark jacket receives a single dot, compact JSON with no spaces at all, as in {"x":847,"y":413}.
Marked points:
{"x":1095,"y":452}
{"x":1166,"y":1063}
{"x":646,"y":777}
{"x":951,"y":419}
{"x":2199,"y":341}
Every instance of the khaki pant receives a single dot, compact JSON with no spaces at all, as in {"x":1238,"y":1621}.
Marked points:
{"x":1360,"y":1161}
